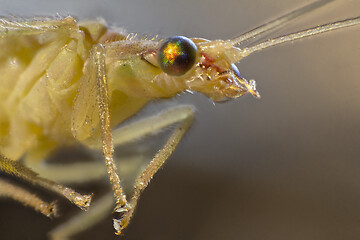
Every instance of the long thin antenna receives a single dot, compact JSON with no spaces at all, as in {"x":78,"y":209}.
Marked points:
{"x":279,"y":21}
{"x":298,"y":35}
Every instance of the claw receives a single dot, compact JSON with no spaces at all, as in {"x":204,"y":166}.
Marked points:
{"x":83,"y":201}
{"x":120,"y":221}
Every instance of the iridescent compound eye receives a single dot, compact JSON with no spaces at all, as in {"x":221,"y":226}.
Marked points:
{"x":177,"y":55}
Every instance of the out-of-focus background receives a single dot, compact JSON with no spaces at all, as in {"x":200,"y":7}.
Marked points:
{"x":286,"y":166}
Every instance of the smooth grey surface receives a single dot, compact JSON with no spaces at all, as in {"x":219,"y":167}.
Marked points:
{"x":283,"y":167}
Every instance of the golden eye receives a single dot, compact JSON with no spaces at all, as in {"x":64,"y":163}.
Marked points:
{"x":177,"y":55}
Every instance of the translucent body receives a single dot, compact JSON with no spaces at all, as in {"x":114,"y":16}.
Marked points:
{"x":40,"y":78}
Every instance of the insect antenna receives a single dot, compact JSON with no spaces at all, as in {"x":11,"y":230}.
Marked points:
{"x":298,"y":35}
{"x":278,"y":22}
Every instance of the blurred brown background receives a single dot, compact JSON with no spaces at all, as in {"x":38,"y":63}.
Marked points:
{"x":286,"y":166}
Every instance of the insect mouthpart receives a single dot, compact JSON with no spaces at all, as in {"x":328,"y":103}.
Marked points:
{"x":216,"y":74}
{"x":234,"y":85}
{"x":248,"y":85}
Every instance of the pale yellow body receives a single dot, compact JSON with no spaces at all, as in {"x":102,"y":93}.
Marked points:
{"x":39,"y":76}
{"x":64,"y":83}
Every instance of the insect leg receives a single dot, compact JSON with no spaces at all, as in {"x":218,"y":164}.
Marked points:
{"x":69,"y":173}
{"x":185,"y":116}
{"x":10,"y":190}
{"x":95,"y":81}
{"x":97,"y":59}
{"x":16,"y":169}
{"x":84,"y":172}
{"x":84,"y":220}
{"x":149,"y":125}
{"x":122,"y":135}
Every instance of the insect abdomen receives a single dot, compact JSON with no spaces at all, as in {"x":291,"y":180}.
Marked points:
{"x":37,"y":103}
